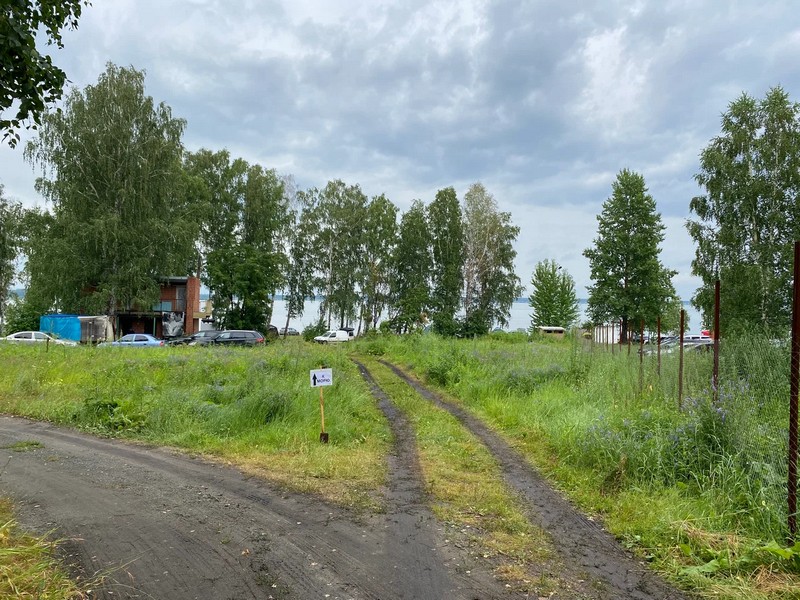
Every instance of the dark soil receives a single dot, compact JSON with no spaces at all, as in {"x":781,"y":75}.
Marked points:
{"x":156,"y":524}
{"x":585,"y":548}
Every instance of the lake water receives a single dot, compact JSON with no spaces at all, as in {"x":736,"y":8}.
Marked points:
{"x":520,"y":315}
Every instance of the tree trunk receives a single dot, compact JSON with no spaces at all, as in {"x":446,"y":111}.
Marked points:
{"x":286,"y":326}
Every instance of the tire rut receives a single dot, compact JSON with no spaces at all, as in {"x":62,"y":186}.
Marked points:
{"x":161,"y":525}
{"x":583,"y":546}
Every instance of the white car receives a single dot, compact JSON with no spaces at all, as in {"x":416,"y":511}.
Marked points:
{"x":34,"y":337}
{"x":333,"y":337}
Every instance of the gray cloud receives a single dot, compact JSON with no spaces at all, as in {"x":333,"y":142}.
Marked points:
{"x":543,"y":102}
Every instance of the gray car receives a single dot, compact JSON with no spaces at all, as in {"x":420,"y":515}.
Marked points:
{"x":37,"y":337}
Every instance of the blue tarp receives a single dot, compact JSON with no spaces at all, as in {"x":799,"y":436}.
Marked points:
{"x":67,"y":327}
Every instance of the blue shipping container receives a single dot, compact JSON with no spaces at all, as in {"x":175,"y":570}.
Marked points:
{"x":67,"y":327}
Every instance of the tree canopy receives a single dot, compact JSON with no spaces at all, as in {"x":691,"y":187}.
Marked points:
{"x":245,"y":218}
{"x":411,"y":271}
{"x":750,"y":213}
{"x":27,"y":76}
{"x":490,"y":284}
{"x":553,"y":298}
{"x":446,"y":226}
{"x":629,"y":281}
{"x":10,"y":218}
{"x":120,"y":216}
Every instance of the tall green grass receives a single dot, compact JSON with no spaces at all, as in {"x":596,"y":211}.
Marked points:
{"x":609,"y":430}
{"x":29,"y":566}
{"x":254,"y":405}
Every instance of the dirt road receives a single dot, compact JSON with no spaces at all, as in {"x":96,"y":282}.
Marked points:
{"x":166,"y":526}
{"x":160,"y":525}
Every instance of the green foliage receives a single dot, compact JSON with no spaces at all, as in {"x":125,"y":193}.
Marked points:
{"x":630,"y":283}
{"x":246,"y":219}
{"x":31,"y":566}
{"x":553,"y":298}
{"x":250,"y":405}
{"x":312,"y":331}
{"x":619,"y":447}
{"x":447,"y":253}
{"x":21,"y":315}
{"x":26,"y":75}
{"x":337,"y":242}
{"x":299,"y":283}
{"x":748,"y":218}
{"x":490,"y":285}
{"x":120,"y":216}
{"x":10,"y":234}
{"x":380,"y":238}
{"x":411,"y":270}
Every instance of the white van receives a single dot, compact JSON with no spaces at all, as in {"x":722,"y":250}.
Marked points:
{"x":333,"y":337}
{"x":696,"y":337}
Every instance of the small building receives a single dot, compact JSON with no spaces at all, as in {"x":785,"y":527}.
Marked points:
{"x":176,"y":313}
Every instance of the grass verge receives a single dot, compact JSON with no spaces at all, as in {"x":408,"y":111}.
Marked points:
{"x":28,"y":566}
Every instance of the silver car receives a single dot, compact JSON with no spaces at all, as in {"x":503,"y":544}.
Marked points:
{"x":37,"y":337}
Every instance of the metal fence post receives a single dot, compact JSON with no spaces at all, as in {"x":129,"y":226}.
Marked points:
{"x":715,"y":375}
{"x":794,"y":389}
{"x":680,"y":359}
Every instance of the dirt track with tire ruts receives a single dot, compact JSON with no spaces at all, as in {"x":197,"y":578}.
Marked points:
{"x":158,"y":524}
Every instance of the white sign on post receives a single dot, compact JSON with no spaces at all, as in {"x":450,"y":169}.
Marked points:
{"x":321,"y":377}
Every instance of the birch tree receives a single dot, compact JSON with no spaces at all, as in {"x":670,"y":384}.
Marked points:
{"x":340,"y":214}
{"x":380,"y":239}
{"x":446,"y":228}
{"x":490,"y":283}
{"x":411,"y":271}
{"x":10,"y":217}
{"x":121,"y":218}
{"x":746,"y":221}
{"x":245,"y":217}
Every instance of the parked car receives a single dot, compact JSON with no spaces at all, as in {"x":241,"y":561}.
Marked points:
{"x":239,"y":337}
{"x":284,"y":331}
{"x":37,"y":337}
{"x":197,"y":338}
{"x":136,"y":339}
{"x":333,"y":337}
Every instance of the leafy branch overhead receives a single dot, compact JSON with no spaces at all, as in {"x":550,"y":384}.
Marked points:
{"x":29,"y":81}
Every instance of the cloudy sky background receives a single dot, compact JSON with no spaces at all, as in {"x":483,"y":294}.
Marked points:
{"x":543,"y":102}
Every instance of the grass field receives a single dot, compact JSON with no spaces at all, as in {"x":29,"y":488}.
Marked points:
{"x":697,"y":489}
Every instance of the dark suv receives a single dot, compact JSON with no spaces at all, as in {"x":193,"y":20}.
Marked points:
{"x":239,"y":337}
{"x":196,"y":339}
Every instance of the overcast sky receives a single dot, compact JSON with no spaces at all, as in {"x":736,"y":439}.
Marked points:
{"x":543,"y":102}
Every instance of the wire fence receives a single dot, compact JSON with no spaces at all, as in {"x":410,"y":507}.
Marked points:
{"x":735,"y":398}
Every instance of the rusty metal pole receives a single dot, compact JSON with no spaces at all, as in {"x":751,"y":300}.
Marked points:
{"x":715,"y":376}
{"x":794,"y":389}
{"x":680,"y":359}
{"x":658,"y":348}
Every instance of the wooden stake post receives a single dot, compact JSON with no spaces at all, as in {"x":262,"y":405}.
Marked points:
{"x":320,"y":378}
